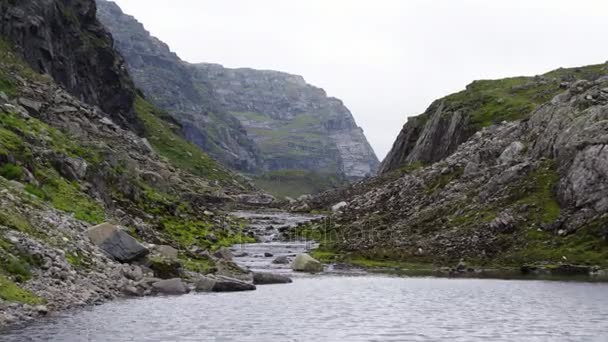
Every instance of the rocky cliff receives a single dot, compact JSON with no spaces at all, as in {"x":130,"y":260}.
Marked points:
{"x":91,"y":210}
{"x":296,"y":125}
{"x":527,"y":190}
{"x":452,"y":120}
{"x":65,"y":40}
{"x":254,"y":121}
{"x":167,"y":82}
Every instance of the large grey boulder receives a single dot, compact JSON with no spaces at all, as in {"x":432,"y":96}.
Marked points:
{"x":232,"y":270}
{"x":222,"y":284}
{"x":167,"y":251}
{"x":116,"y":243}
{"x":306,"y":263}
{"x":263,"y":278}
{"x":173,"y":286}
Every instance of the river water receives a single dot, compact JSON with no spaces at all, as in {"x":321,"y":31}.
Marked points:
{"x":343,"y":307}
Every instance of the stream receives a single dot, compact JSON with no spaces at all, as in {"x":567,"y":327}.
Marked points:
{"x":333,"y":306}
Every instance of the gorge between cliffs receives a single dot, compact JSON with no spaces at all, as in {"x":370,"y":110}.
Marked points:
{"x":146,"y":198}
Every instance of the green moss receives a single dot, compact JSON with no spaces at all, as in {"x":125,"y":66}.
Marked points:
{"x":13,"y":219}
{"x":199,"y":265}
{"x":67,"y":196}
{"x":537,"y":191}
{"x":587,"y":246}
{"x":189,"y":232}
{"x":17,"y":267}
{"x":9,"y":291}
{"x":164,"y":138}
{"x":11,"y":171}
{"x":76,"y":260}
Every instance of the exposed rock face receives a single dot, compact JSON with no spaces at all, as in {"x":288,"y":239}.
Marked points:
{"x":293,"y":124}
{"x":64,"y":39}
{"x":168,"y":82}
{"x":118,"y":244}
{"x":528,"y":191}
{"x":450,"y":121}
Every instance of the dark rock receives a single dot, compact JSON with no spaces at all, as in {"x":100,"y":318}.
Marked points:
{"x":223,"y":253}
{"x":117,"y":243}
{"x":282,"y":260}
{"x":173,"y":286}
{"x":222,"y":284}
{"x":260,"y":278}
{"x":165,"y":268}
{"x":268,"y":255}
{"x":49,"y":36}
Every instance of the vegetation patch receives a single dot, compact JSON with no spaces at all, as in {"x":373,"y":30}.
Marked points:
{"x":164,"y":136}
{"x":10,"y":292}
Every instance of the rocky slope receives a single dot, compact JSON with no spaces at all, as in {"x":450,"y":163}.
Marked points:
{"x":89,"y":209}
{"x":251,"y":120}
{"x":530,"y":189}
{"x":452,"y":120}
{"x":65,"y":40}
{"x":168,"y":82}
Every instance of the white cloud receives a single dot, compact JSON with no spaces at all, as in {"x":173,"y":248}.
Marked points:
{"x":387,"y":59}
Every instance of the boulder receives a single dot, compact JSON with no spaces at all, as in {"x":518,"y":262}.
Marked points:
{"x":173,"y":286}
{"x":223,"y":253}
{"x":282,"y":260}
{"x":306,"y":263}
{"x":232,"y":270}
{"x":263,"y":278}
{"x":116,"y":242}
{"x":339,"y":206}
{"x":268,"y":255}
{"x":222,"y":284}
{"x":165,"y":268}
{"x":166,"y":251}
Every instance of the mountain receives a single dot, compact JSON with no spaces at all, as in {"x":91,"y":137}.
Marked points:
{"x":269,"y":124}
{"x":507,"y":173}
{"x":99,"y":193}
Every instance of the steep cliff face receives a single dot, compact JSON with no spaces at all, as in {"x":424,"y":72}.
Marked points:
{"x":90,"y":210}
{"x":63,"y":38}
{"x":251,"y":120}
{"x":452,"y":120}
{"x":525,"y":191}
{"x":296,"y":125}
{"x":167,"y":82}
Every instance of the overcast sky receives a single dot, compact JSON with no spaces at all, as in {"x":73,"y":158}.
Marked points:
{"x":387,"y":59}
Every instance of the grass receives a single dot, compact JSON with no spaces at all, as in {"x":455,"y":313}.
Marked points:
{"x":11,"y":171}
{"x":163,"y":136}
{"x":9,"y":291}
{"x":293,"y":183}
{"x":66,"y":196}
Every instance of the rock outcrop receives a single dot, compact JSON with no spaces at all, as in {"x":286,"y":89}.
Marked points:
{"x":251,"y":120}
{"x":530,"y":190}
{"x":66,"y":165}
{"x":452,"y":120}
{"x":306,"y":263}
{"x":64,"y":39}
{"x":168,"y":82}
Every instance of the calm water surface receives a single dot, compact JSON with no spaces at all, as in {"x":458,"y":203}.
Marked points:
{"x":348,"y":308}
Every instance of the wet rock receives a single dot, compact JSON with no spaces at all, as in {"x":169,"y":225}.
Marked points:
{"x":173,"y":286}
{"x":165,"y":268}
{"x":232,"y":270}
{"x":306,"y":263}
{"x":263,"y":278}
{"x":223,"y":253}
{"x":222,"y":284}
{"x":282,"y":260}
{"x":268,"y":255}
{"x":117,"y":243}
